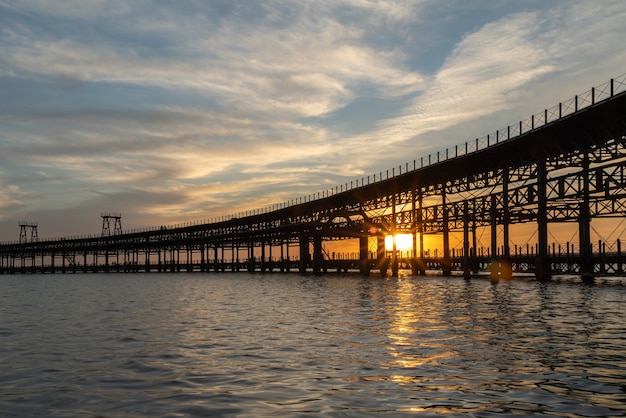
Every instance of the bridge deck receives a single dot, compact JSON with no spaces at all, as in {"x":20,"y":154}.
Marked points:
{"x":569,"y":169}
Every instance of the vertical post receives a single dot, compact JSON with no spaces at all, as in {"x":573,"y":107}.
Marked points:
{"x":380,"y":253}
{"x":147,"y":263}
{"x":493,"y":215}
{"x":414,"y":231}
{"x":601,"y":253}
{"x":542,"y":266}
{"x":304,"y":252}
{"x":584,"y":224}
{"x":202,"y":259}
{"x":364,"y":254}
{"x":251,"y":259}
{"x":593,"y":95}
{"x":394,"y":254}
{"x":466,"y":258}
{"x":282,"y":255}
{"x":446,"y":264}
{"x":506,"y":268}
{"x":619,"y":256}
{"x":420,"y":263}
{"x":318,"y":255}
{"x":475,"y":262}
{"x":263,"y":257}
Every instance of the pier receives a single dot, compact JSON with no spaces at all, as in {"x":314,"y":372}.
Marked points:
{"x":565,"y":164}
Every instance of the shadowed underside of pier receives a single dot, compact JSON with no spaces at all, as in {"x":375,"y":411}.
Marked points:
{"x":558,"y":167}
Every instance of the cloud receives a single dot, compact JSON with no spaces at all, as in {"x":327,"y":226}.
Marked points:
{"x":12,"y":196}
{"x":491,"y":68}
{"x":188,"y":109}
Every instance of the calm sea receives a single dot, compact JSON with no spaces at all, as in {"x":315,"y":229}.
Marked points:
{"x":252,"y":345}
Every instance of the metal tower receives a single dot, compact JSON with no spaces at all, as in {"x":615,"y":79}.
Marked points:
{"x":106,"y":224}
{"x":28,"y":232}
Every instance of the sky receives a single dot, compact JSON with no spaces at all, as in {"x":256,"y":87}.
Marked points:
{"x":171,"y":112}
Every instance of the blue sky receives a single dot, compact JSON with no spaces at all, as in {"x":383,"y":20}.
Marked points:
{"x":175,"y":111}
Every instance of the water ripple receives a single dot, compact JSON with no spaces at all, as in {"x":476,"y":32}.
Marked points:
{"x":284,"y":345}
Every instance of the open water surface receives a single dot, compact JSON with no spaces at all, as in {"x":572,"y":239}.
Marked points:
{"x":252,"y":345}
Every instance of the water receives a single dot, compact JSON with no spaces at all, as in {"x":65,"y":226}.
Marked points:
{"x":245,"y":345}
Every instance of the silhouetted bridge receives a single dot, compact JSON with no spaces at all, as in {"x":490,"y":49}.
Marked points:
{"x":565,"y":164}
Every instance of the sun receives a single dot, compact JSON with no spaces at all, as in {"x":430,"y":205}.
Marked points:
{"x":404,"y":242}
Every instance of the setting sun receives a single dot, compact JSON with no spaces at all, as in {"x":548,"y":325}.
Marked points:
{"x":404,"y":242}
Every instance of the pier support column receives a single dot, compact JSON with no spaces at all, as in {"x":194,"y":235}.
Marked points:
{"x":466,"y":246}
{"x":475,"y":259}
{"x":364,"y":254}
{"x":506,"y":216}
{"x":506,"y":265}
{"x":420,"y":228}
{"x":542,"y":263}
{"x":620,"y":268}
{"x":251,"y":258}
{"x":414,"y":265}
{"x":493,"y":215}
{"x":318,"y":255}
{"x":147,"y":255}
{"x":202,"y":259}
{"x":395,"y":267}
{"x":445,"y":264}
{"x":282,"y":255}
{"x":584,"y":225}
{"x":394,"y":251}
{"x":381,"y":261}
{"x":304,"y":252}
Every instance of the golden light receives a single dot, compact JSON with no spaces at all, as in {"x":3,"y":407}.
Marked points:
{"x":404,"y":242}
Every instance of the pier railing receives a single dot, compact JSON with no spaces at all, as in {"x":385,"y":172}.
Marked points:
{"x":564,"y":109}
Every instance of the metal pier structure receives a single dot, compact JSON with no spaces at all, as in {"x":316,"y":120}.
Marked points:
{"x":563,"y":165}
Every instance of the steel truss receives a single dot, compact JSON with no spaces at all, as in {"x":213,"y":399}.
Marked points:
{"x":568,"y":170}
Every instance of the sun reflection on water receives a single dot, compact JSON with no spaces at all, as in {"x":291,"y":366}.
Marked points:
{"x":411,"y":315}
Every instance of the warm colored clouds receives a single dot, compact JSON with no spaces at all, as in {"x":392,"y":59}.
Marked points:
{"x":186,"y":110}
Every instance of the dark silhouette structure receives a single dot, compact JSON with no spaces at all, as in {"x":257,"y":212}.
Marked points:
{"x":106,"y":224}
{"x":28,"y":232}
{"x":565,"y":164}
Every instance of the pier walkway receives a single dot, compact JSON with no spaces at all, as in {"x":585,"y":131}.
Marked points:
{"x":563,"y":165}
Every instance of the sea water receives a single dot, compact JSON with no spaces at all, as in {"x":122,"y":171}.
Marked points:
{"x":254,"y":345}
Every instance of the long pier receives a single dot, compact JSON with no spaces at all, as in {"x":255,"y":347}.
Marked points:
{"x":565,"y":164}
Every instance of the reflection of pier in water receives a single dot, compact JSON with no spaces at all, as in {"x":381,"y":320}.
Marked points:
{"x":565,"y":164}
